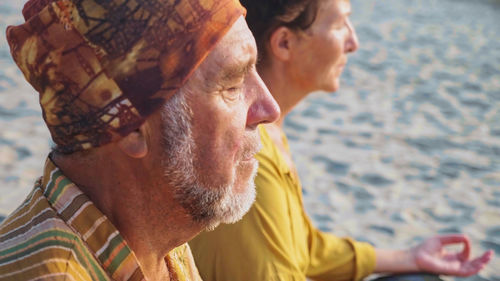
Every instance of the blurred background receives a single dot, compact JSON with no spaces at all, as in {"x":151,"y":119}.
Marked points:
{"x":407,"y":148}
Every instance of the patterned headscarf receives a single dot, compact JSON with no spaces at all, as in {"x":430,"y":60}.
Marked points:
{"x":103,"y":66}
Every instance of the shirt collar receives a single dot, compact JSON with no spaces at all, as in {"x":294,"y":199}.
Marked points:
{"x":279,"y":158}
{"x":91,"y":225}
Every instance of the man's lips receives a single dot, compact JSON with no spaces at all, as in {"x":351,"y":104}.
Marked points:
{"x":249,"y":156}
{"x":249,"y":159}
{"x":250,"y":147}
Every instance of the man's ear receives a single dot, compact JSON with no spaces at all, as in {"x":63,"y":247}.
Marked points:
{"x":281,"y":42}
{"x":134,"y":144}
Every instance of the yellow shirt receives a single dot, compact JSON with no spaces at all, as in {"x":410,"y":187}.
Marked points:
{"x":276,"y":240}
{"x":59,"y":234}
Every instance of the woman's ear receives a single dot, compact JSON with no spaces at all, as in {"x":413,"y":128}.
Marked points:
{"x":281,"y":42}
{"x":134,"y":144}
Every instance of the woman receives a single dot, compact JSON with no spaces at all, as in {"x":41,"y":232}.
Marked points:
{"x":303,"y":47}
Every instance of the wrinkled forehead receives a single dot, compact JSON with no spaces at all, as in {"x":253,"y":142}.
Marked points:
{"x":238,"y":43}
{"x":102,"y":67}
{"x":233,"y":55}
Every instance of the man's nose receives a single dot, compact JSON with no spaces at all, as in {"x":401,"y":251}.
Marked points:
{"x":264,"y":108}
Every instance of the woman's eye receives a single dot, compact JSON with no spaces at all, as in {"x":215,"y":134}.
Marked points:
{"x":340,"y":23}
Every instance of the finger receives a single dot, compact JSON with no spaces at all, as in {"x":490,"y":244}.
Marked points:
{"x":452,"y":238}
{"x":474,"y":266}
{"x":457,"y":238}
{"x":487,"y":256}
{"x":484,"y":258}
{"x":468,"y":269}
{"x":454,"y":257}
{"x":465,"y":254}
{"x":490,"y":253}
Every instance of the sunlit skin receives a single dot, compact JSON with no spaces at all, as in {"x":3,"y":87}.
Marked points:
{"x":431,"y":256}
{"x":321,"y":51}
{"x":303,"y":61}
{"x":226,"y":116}
{"x":145,"y":210}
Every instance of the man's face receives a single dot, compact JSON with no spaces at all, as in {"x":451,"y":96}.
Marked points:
{"x":213,"y":156}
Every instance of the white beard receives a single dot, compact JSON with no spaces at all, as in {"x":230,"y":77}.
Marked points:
{"x":208,"y":205}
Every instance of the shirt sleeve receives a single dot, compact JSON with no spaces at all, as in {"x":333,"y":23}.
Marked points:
{"x":336,"y":258}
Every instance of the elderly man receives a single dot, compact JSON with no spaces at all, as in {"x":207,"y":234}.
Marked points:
{"x":153,"y":106}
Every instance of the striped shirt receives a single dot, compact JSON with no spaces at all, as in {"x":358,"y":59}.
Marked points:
{"x":59,"y":234}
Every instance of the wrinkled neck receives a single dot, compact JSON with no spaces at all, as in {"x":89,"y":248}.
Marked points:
{"x":133,"y":197}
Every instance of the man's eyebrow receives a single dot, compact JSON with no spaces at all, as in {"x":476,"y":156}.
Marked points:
{"x":236,"y":72}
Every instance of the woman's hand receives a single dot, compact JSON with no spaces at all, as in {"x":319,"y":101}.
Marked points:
{"x":431,"y":256}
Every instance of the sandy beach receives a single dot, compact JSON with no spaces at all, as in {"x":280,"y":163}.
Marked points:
{"x":409,"y":147}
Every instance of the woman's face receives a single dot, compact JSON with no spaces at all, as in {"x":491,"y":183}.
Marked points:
{"x":320,"y":55}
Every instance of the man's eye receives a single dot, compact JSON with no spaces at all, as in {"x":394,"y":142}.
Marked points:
{"x":232,"y":93}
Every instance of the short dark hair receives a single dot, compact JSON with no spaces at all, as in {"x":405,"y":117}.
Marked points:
{"x":265,"y":16}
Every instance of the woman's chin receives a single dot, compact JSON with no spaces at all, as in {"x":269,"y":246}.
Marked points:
{"x":331,"y":87}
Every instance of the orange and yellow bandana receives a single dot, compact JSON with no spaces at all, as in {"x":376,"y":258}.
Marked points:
{"x":103,"y":66}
